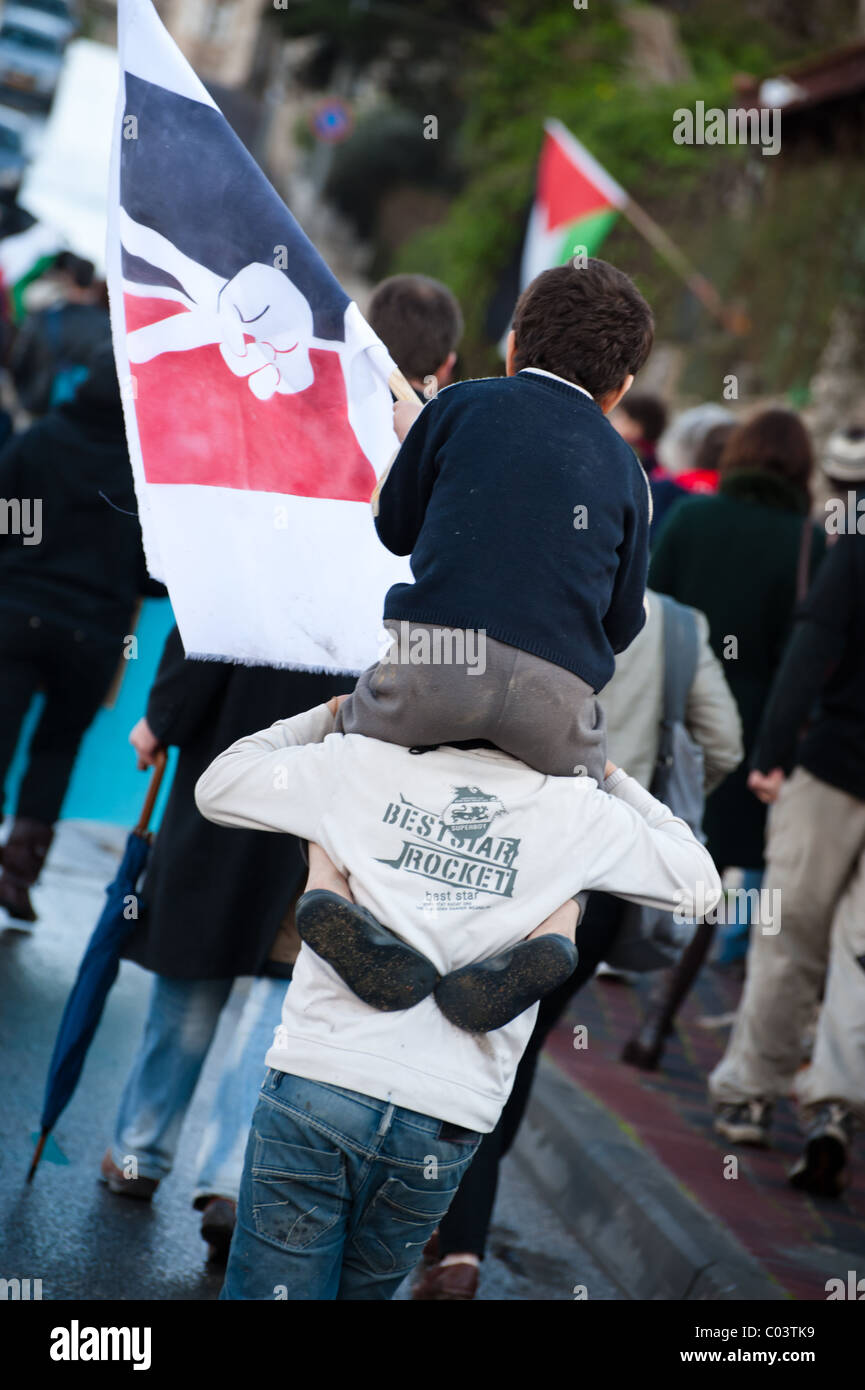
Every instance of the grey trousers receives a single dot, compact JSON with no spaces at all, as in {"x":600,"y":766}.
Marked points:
{"x":444,"y":685}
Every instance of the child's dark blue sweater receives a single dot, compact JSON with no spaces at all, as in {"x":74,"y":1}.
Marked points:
{"x":526,"y":515}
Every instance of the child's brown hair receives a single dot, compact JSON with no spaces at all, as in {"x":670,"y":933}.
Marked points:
{"x":419,"y":322}
{"x":589,"y":325}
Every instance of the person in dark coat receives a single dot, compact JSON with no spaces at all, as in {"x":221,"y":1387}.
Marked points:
{"x":235,"y":886}
{"x":215,"y":905}
{"x":55,"y":347}
{"x":743,"y":557}
{"x":641,"y":419}
{"x":71,"y":573}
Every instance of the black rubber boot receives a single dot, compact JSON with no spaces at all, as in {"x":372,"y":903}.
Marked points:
{"x":488,"y":994}
{"x":23,"y":856}
{"x":380,"y":968}
{"x":217,"y":1226}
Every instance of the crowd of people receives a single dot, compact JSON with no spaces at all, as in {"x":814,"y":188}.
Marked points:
{"x":673,"y":690}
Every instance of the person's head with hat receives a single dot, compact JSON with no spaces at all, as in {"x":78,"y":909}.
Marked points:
{"x":843,"y":458}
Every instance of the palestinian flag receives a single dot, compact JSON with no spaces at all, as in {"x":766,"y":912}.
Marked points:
{"x":576,"y":204}
{"x":23,"y":258}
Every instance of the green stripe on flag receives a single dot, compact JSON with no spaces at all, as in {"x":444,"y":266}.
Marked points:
{"x":588,"y":232}
{"x":17,"y":290}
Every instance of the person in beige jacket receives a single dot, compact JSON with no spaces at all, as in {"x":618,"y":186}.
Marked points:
{"x":633,"y":703}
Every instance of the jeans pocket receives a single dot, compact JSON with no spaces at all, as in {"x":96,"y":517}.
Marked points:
{"x":398,"y":1223}
{"x":297,"y":1193}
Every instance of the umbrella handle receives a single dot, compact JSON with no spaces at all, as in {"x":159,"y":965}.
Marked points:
{"x":159,"y":762}
{"x":37,"y":1154}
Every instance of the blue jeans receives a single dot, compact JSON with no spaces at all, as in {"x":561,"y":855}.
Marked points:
{"x":340,"y":1193}
{"x":181,"y":1025}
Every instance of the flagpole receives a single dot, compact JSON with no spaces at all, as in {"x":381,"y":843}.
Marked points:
{"x":401,"y":388}
{"x":699,"y":286}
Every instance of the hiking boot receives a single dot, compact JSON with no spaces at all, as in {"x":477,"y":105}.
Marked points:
{"x":217,"y":1225}
{"x":486,"y":995}
{"x":822,"y":1169}
{"x":745,"y":1122}
{"x":380,"y":968}
{"x":454,"y":1283}
{"x":117,"y":1182}
{"x":23,"y":856}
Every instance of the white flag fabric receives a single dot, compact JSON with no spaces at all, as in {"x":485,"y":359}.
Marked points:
{"x":257,"y":404}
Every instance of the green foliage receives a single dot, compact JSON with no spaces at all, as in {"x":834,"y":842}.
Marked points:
{"x":573,"y":66}
{"x":771,"y":236}
{"x":781,"y":237}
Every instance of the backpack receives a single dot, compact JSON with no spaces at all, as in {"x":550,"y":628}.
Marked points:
{"x":649,"y":938}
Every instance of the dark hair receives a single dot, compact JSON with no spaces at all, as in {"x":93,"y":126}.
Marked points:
{"x":418,"y":320}
{"x":591,"y":326}
{"x":647,"y":411}
{"x":708,"y":456}
{"x":775,"y":441}
{"x":76,"y":267}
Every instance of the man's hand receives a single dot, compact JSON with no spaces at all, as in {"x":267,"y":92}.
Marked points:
{"x":766,"y":786}
{"x":404,"y":415}
{"x":609,"y":769}
{"x":334,"y":703}
{"x":145,"y":743}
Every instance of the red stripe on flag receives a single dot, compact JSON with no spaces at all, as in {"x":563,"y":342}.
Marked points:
{"x":564,"y":191}
{"x":199,"y":423}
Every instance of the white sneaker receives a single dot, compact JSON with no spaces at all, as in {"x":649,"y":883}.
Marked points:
{"x":745,"y":1122}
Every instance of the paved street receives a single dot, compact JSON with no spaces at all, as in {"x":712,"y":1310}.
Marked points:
{"x":67,"y":1229}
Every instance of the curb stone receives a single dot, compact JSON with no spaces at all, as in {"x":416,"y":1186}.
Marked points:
{"x":633,"y":1217}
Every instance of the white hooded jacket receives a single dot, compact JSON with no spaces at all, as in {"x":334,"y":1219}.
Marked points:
{"x":461,"y":853}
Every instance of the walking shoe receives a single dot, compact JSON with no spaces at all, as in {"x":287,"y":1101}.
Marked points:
{"x":142,"y":1188}
{"x":646,"y":1049}
{"x":381,"y":969}
{"x":745,"y":1122}
{"x":454,"y":1283}
{"x":822,"y":1169}
{"x":217,"y":1225}
{"x":612,"y":975}
{"x":23,"y":856}
{"x":488,"y":994}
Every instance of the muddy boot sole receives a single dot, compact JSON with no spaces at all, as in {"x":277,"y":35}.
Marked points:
{"x":485,"y":996}
{"x":377,"y":966}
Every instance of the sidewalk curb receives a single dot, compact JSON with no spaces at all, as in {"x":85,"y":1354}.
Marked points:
{"x":633,"y":1217}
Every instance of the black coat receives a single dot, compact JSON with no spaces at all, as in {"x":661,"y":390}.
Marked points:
{"x":87,"y":571}
{"x":735,"y":557}
{"x":54,"y":340}
{"x":214,"y":897}
{"x":819,"y":692}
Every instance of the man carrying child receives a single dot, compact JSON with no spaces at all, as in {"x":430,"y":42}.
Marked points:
{"x":454,"y":812}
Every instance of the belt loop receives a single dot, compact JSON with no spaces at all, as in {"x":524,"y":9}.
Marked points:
{"x":386,"y":1118}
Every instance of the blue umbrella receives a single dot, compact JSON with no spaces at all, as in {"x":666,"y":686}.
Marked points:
{"x":96,"y":973}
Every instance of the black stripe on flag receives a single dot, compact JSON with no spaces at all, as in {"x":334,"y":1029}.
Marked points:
{"x":189,"y":177}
